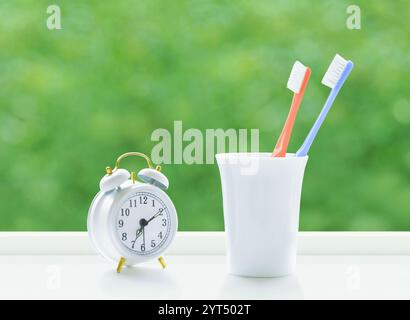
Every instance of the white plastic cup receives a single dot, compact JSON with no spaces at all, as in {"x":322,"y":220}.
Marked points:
{"x":261,"y":200}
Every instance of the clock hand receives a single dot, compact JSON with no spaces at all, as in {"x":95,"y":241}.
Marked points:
{"x":143,"y":236}
{"x":143,"y":224}
{"x":156,"y":215}
{"x":138,"y":233}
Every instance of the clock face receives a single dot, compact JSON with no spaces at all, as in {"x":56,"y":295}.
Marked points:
{"x":143,"y":223}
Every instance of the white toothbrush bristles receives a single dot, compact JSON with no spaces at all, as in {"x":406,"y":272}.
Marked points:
{"x":334,"y":72}
{"x":296,"y":77}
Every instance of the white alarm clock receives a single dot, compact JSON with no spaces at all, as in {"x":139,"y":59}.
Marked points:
{"x":130,"y":222}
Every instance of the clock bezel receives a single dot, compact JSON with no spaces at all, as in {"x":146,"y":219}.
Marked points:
{"x":131,"y":255}
{"x":168,"y":227}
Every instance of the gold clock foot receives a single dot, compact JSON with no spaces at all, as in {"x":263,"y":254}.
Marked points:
{"x":162,"y":262}
{"x":120,"y":264}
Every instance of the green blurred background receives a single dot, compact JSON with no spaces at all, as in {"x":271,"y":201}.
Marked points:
{"x":72,"y":100}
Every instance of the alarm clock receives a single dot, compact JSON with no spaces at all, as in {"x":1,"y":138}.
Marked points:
{"x":132,"y":221}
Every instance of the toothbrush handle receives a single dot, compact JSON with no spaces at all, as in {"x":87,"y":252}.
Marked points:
{"x":283,"y":141}
{"x":304,"y":149}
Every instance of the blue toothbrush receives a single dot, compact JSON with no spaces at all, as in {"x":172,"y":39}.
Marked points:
{"x":334,"y":78}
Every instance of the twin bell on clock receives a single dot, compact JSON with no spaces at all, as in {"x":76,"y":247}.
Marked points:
{"x":132,"y":221}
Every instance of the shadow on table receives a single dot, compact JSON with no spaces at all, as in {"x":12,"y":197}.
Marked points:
{"x":140,"y":283}
{"x":236,"y":287}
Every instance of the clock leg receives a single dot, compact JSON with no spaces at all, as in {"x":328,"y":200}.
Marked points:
{"x":120,"y":264}
{"x":162,"y":262}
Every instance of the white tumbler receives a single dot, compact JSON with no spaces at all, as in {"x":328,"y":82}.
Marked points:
{"x":261,"y":200}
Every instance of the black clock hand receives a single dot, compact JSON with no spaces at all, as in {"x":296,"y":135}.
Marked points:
{"x":138,"y":233}
{"x":156,"y":215}
{"x":143,"y":224}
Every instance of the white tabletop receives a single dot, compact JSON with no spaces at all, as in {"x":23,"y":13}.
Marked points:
{"x":202,"y":277}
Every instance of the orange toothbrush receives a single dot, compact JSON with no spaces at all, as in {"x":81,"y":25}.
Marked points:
{"x":297,"y":83}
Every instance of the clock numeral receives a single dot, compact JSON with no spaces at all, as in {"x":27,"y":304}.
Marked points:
{"x":125,"y":212}
{"x":152,"y":243}
{"x":153,"y":202}
{"x":133,"y":203}
{"x":143,"y":200}
{"x":120,"y":223}
{"x":124,"y":236}
{"x":164,"y":222}
{"x":160,"y":235}
{"x":143,"y":247}
{"x":133,"y":243}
